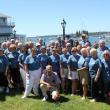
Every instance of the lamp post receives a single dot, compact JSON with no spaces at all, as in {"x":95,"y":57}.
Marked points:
{"x":63,"y":24}
{"x":14,"y":34}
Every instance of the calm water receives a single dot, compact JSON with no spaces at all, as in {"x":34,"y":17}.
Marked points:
{"x":92,"y":39}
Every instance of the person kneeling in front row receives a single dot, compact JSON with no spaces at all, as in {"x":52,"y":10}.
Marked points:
{"x":49,"y":82}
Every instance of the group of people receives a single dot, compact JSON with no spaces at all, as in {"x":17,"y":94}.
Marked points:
{"x":60,"y":66}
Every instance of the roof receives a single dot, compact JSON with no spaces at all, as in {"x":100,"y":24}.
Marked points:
{"x":4,"y":16}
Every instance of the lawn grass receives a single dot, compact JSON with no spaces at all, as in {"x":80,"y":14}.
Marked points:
{"x":13,"y":101}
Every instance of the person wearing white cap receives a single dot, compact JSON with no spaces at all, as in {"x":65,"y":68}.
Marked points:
{"x":38,"y":50}
{"x":84,"y":40}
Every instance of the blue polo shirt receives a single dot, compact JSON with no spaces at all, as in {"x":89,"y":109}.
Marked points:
{"x":7,"y":51}
{"x":94,"y":65}
{"x":13,"y":59}
{"x":44,"y":59}
{"x":54,"y":60}
{"x":83,"y":42}
{"x":3,"y":63}
{"x":22,"y":57}
{"x":64,"y":59}
{"x":83,"y":61}
{"x":32,"y":62}
{"x":105,"y":70}
{"x":73,"y":62}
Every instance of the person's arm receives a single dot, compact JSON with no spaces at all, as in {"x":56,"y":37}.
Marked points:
{"x":97,"y":75}
{"x":6,"y":71}
{"x":98,"y":71}
{"x":68,"y":64}
{"x":42,"y":81}
{"x":26,"y":68}
{"x":26,"y":65}
{"x":21,"y":65}
{"x":83,"y":68}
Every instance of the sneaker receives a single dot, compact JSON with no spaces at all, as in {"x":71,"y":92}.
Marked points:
{"x":83,"y":98}
{"x":72,"y":94}
{"x":23,"y":97}
{"x":93,"y":100}
{"x":45,"y":98}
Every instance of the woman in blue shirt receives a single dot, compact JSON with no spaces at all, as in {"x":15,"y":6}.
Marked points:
{"x":21,"y":59}
{"x":43,"y":58}
{"x":72,"y":68}
{"x":106,"y":72}
{"x":94,"y":72}
{"x":33,"y":73}
{"x":14,"y":66}
{"x":3,"y":72}
{"x":54,"y":60}
{"x":64,"y":69}
{"x":83,"y":72}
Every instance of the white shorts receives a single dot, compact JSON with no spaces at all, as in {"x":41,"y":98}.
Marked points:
{"x":73,"y":75}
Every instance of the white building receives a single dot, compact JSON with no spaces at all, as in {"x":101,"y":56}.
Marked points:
{"x":21,"y":37}
{"x":6,"y":27}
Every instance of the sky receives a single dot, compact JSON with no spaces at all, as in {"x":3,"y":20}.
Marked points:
{"x":44,"y":17}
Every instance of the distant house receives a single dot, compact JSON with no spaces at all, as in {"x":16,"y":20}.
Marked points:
{"x":6,"y":28}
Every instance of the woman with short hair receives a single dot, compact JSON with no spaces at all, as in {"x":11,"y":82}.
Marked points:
{"x":33,"y":73}
{"x":72,"y":68}
{"x":94,"y":73}
{"x":21,"y":59}
{"x":83,"y":71}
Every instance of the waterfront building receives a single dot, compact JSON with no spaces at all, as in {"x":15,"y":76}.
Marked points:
{"x":6,"y":28}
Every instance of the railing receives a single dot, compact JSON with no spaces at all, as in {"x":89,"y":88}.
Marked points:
{"x":12,"y":24}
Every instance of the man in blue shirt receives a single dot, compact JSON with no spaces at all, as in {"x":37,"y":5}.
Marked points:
{"x":84,"y":41}
{"x":101,"y":49}
{"x":106,"y":72}
{"x":54,"y":60}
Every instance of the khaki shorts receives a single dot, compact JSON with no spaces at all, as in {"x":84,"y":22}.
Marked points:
{"x":64,"y":73}
{"x":83,"y":76}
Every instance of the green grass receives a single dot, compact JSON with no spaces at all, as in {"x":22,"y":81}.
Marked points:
{"x":14,"y":102}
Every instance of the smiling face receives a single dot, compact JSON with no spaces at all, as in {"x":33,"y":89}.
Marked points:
{"x":102,"y":44}
{"x":106,"y":55}
{"x":49,"y":69}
